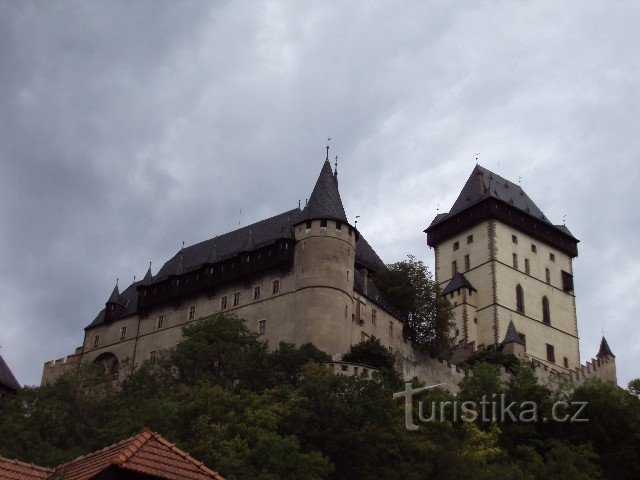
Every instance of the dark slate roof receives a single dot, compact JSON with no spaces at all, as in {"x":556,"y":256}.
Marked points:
{"x":325,"y":199}
{"x":499,"y":188}
{"x":456,"y":283}
{"x":366,"y":255}
{"x":251,"y":237}
{"x":604,"y":349}
{"x":127,"y":299}
{"x":512,"y":335}
{"x":6,"y":376}
{"x":116,"y":298}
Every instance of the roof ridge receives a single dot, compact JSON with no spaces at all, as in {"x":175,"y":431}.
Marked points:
{"x":184,"y":455}
{"x":91,"y":454}
{"x":135,"y":444}
{"x":26,"y":464}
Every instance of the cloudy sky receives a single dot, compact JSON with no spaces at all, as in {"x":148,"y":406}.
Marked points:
{"x":127,"y":128}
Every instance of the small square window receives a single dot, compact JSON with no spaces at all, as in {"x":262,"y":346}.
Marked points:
{"x":192,"y":312}
{"x":123,"y":332}
{"x":552,"y":257}
{"x":456,"y":246}
{"x":338,"y":225}
{"x":262,"y":326}
{"x":223,"y":302}
{"x":534,"y":248}
{"x":469,"y":239}
{"x":236,"y":299}
{"x":275,"y":287}
{"x":308,"y":225}
{"x":323,"y":223}
{"x":256,"y":292}
{"x":160,"y":322}
{"x":514,"y":239}
{"x":343,"y":368}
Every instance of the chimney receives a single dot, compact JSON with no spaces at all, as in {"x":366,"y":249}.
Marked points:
{"x":365,"y":281}
{"x":480,"y":181}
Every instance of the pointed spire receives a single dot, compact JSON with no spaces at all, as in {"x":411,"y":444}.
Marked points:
{"x":512,"y":335}
{"x":148,"y":277}
{"x":604,"y":349}
{"x":325,"y":199}
{"x":115,"y":295}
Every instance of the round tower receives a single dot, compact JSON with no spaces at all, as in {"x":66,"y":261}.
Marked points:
{"x":324,"y":269}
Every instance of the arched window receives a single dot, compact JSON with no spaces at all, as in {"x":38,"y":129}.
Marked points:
{"x":519,"y":299}
{"x":546,"y":316}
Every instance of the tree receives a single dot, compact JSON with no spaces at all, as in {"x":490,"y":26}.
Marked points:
{"x":634,"y":387}
{"x":410,"y":288}
{"x":371,"y":353}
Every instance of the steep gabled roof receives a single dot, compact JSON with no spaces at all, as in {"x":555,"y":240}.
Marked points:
{"x":483,"y":184}
{"x":15,"y":470}
{"x":512,"y":335}
{"x":456,"y":283}
{"x":147,"y":453}
{"x":325,"y":199}
{"x":604,"y":349}
{"x":7,"y":379}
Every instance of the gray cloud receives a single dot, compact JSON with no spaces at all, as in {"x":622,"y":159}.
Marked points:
{"x":126,"y":129}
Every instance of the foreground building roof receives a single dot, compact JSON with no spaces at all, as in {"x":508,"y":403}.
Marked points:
{"x":456,"y":283}
{"x":15,"y":470}
{"x":7,"y":380}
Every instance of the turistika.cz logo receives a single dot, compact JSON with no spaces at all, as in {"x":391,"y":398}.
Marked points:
{"x":492,"y":408}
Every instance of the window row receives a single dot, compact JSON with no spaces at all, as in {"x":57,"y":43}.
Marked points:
{"x":456,"y":245}
{"x":256,"y":294}
{"x":467,"y":265}
{"x":546,"y":314}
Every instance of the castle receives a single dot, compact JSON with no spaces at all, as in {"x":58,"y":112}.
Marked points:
{"x":308,"y":275}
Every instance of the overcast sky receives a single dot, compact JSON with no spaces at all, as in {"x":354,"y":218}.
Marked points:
{"x":127,"y":128}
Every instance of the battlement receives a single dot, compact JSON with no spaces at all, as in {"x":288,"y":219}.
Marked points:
{"x":55,"y":368}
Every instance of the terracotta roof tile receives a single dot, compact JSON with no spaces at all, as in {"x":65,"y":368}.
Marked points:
{"x":15,"y":470}
{"x":147,"y":453}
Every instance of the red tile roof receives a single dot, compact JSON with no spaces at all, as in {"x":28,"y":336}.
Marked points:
{"x":146,"y":453}
{"x":15,"y":470}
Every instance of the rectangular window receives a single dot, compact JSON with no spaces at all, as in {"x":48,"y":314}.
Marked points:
{"x":526,"y":266}
{"x":534,"y":249}
{"x":152,"y":355}
{"x":456,"y":246}
{"x":466,"y":263}
{"x":514,"y":239}
{"x":567,"y":281}
{"x":552,"y":257}
{"x":338,"y":225}
{"x":160,"y":322}
{"x":308,"y":225}
{"x":551,"y":353}
{"x":275,"y":287}
{"x":123,"y":332}
{"x":236,"y":299}
{"x":391,"y":329}
{"x":374,"y":316}
{"x":469,"y":239}
{"x":262,"y":326}
{"x":96,"y":341}
{"x":223,"y":302}
{"x":454,"y":268}
{"x":323,"y":223}
{"x":256,"y":292}
{"x":548,"y":275}
{"x":192,"y":312}
{"x":566,"y":362}
{"x":515,"y":261}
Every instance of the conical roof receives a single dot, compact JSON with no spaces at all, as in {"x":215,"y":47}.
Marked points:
{"x":6,"y":376}
{"x":604,"y":349}
{"x":148,"y":277}
{"x":512,"y":335}
{"x":325,"y":199}
{"x":456,"y":283}
{"x":116,"y":298}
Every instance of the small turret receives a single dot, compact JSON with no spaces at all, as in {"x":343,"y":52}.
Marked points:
{"x":512,"y":343}
{"x":114,"y":305}
{"x":604,"y":349}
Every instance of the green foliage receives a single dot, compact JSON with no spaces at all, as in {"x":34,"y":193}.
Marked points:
{"x":370,"y":352}
{"x":493,"y":356}
{"x":427,"y":316}
{"x":634,"y":387}
{"x":252,"y":413}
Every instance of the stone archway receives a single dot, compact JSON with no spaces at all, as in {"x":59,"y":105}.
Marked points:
{"x":109,"y":362}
